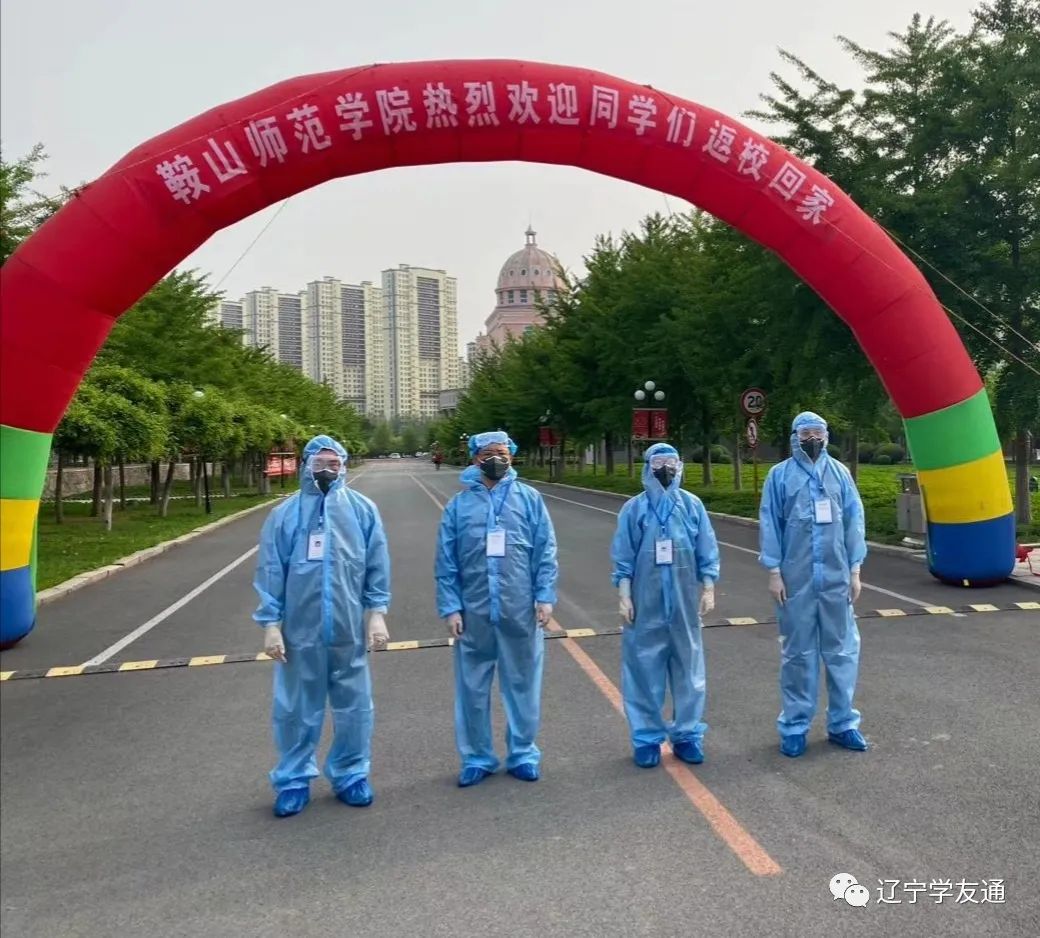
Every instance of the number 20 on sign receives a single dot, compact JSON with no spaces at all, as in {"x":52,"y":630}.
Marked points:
{"x":753,"y":402}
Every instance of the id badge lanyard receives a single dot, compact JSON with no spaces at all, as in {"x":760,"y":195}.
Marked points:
{"x":664,"y":555}
{"x":496,"y":534}
{"x":823,"y":509}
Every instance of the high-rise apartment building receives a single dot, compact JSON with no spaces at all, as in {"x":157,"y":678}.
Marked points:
{"x":270,"y":320}
{"x":227,"y":313}
{"x":388,"y":351}
{"x":422,"y":339}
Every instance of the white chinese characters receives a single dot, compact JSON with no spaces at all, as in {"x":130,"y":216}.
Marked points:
{"x":266,"y":140}
{"x":563,"y":104}
{"x":352,"y":109}
{"x":604,"y":106}
{"x":642,"y":110}
{"x":181,"y":176}
{"x":224,"y":160}
{"x":522,"y":99}
{"x":308,"y":128}
{"x":962,"y":892}
{"x":681,"y":125}
{"x":480,"y":104}
{"x":441,"y":109}
{"x":395,"y":110}
{"x":721,"y":138}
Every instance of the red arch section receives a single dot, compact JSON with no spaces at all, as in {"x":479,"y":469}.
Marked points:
{"x":64,"y":288}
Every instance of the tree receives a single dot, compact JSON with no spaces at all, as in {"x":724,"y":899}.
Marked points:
{"x":411,"y":439}
{"x":382,"y":440}
{"x":942,"y":146}
{"x":83,"y":431}
{"x":22,"y":208}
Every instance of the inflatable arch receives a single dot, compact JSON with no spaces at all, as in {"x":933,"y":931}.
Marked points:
{"x":67,"y":284}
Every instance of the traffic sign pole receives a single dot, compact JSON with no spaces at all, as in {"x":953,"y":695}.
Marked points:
{"x":753,"y":403}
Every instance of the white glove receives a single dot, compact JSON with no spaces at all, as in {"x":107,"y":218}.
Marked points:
{"x":543,"y":612}
{"x":274,"y":645}
{"x":776,"y":587}
{"x":625,"y":608}
{"x":855,"y":586}
{"x":378,"y":635}
{"x":707,"y":597}
{"x":455,"y":624}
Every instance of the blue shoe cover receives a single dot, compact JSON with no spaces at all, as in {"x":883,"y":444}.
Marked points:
{"x":357,"y":795}
{"x":291,"y":801}
{"x":850,"y":739}
{"x":793,"y":746}
{"x":525,"y":771}
{"x":689,"y":750}
{"x":646,"y":757}
{"x":472,"y":775}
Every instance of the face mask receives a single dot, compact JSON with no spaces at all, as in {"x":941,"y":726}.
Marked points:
{"x":665,"y":475}
{"x":494,"y":467}
{"x":811,"y":448}
{"x":325,"y":478}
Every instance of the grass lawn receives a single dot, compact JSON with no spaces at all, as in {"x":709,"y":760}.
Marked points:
{"x":878,"y":486}
{"x":82,"y":543}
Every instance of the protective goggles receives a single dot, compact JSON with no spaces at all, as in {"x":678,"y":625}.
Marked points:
{"x":659,"y":462}
{"x":322,"y":463}
{"x":494,"y":457}
{"x":813,"y":434}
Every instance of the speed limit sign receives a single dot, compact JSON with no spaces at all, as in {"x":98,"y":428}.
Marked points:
{"x":752,"y":432}
{"x":753,"y":402}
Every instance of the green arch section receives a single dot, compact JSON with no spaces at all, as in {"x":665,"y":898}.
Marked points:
{"x":23,"y":462}
{"x":954,"y":435}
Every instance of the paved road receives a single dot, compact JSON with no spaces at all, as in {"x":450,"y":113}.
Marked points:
{"x":137,"y":803}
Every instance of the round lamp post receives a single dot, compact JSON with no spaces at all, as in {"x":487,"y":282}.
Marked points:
{"x":205,"y":474}
{"x":648,"y":391}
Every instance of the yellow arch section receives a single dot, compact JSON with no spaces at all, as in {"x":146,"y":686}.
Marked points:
{"x":17,"y":523}
{"x":974,"y":491}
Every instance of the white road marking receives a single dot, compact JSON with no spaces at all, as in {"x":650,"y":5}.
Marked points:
{"x":746,"y":550}
{"x":169,"y":610}
{"x":133,"y":636}
{"x":433,"y":497}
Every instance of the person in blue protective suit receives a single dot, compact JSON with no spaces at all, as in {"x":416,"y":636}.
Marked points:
{"x":666,"y":565}
{"x":496,"y":577}
{"x":323,"y":576}
{"x":813,"y":545}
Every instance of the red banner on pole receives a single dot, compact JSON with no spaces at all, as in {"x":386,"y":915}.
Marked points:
{"x":659,"y":424}
{"x":278,"y":465}
{"x":547,"y":437}
{"x":650,"y":423}
{"x":640,"y":424}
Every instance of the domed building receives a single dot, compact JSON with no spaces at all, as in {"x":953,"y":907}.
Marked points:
{"x":530,"y":277}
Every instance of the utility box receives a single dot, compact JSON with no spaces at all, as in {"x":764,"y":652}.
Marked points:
{"x":910,"y":506}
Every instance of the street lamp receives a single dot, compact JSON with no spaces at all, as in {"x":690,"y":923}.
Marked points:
{"x":649,"y":389}
{"x":205,"y":475}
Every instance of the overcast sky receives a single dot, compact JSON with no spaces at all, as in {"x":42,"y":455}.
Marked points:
{"x":90,"y":79}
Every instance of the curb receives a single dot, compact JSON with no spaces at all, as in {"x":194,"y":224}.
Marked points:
{"x":906,"y":552}
{"x":102,"y":573}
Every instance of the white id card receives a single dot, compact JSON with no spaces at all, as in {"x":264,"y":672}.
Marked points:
{"x":663,"y":552}
{"x":316,"y":546}
{"x":496,"y":542}
{"x":823,"y":511}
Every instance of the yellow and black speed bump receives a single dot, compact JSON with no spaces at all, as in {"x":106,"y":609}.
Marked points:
{"x":122,"y":667}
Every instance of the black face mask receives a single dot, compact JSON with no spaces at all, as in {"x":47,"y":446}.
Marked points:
{"x":325,"y":478}
{"x":811,"y":448}
{"x":665,"y":475}
{"x":494,"y":467}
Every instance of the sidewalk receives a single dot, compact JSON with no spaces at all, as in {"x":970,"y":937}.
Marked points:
{"x":1021,"y":575}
